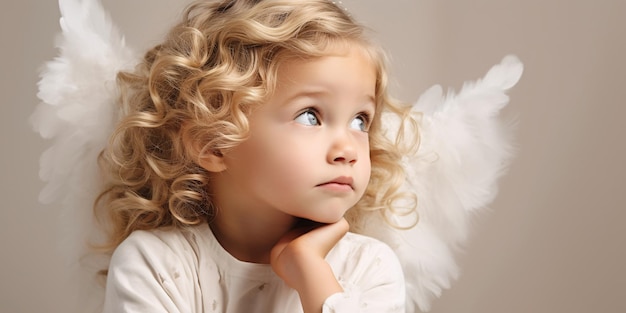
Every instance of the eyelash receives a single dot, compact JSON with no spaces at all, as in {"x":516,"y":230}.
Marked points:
{"x":313,"y":111}
{"x":365,"y":116}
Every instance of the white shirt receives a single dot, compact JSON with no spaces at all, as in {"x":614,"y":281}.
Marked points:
{"x":188,"y":271}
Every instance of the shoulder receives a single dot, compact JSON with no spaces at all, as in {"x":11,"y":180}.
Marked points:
{"x":159,"y":248}
{"x":153,"y":271}
{"x":148,"y":241}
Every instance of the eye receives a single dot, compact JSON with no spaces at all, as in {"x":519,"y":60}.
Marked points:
{"x":361,"y":122}
{"x":308,"y":117}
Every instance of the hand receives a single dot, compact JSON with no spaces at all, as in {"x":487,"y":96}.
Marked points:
{"x":298,"y":259}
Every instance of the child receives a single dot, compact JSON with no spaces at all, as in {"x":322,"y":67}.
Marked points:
{"x":249,"y":140}
{"x":247,"y":135}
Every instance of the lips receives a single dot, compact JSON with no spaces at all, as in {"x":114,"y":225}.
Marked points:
{"x":342,"y":182}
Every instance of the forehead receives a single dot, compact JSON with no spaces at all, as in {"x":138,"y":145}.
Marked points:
{"x":336,"y":60}
{"x":336,"y":48}
{"x":341,"y":77}
{"x":346,"y":66}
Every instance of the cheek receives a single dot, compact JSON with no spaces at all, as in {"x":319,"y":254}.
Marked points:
{"x":276,"y":159}
{"x":365,"y":166}
{"x":366,"y":172}
{"x":290,"y":165}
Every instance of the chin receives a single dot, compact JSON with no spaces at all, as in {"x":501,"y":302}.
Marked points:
{"x":328,"y":218}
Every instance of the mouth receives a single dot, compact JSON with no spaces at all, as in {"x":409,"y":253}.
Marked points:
{"x":340,"y":183}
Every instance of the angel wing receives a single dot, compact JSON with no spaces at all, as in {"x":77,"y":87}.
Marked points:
{"x":77,"y":112}
{"x":464,"y":149}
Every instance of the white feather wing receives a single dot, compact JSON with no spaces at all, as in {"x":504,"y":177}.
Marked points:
{"x":464,"y":150}
{"x":77,"y":112}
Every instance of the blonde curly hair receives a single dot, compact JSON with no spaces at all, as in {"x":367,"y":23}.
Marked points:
{"x":201,"y":83}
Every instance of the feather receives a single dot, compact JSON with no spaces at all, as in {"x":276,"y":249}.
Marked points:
{"x":464,"y":149}
{"x":77,"y":112}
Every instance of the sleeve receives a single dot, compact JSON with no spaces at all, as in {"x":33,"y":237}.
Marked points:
{"x":372,"y":280}
{"x":147,"y":274}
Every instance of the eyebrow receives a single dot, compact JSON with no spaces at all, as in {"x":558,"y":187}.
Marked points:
{"x":369,"y":99}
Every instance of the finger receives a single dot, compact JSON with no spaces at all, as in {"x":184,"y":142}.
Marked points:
{"x":324,"y":237}
{"x":313,"y":236}
{"x":302,"y":227}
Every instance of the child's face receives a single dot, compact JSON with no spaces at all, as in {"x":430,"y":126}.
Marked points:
{"x":308,"y":154}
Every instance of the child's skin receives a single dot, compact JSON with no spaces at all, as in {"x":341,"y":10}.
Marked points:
{"x":307,"y":158}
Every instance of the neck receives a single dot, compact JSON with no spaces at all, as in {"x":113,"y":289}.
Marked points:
{"x":250,"y":238}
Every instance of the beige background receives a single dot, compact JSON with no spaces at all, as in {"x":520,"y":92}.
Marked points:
{"x":554,"y":240}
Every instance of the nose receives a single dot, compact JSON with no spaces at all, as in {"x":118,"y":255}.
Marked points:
{"x":343,"y":149}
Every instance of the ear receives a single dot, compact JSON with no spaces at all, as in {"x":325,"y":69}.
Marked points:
{"x":211,"y":160}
